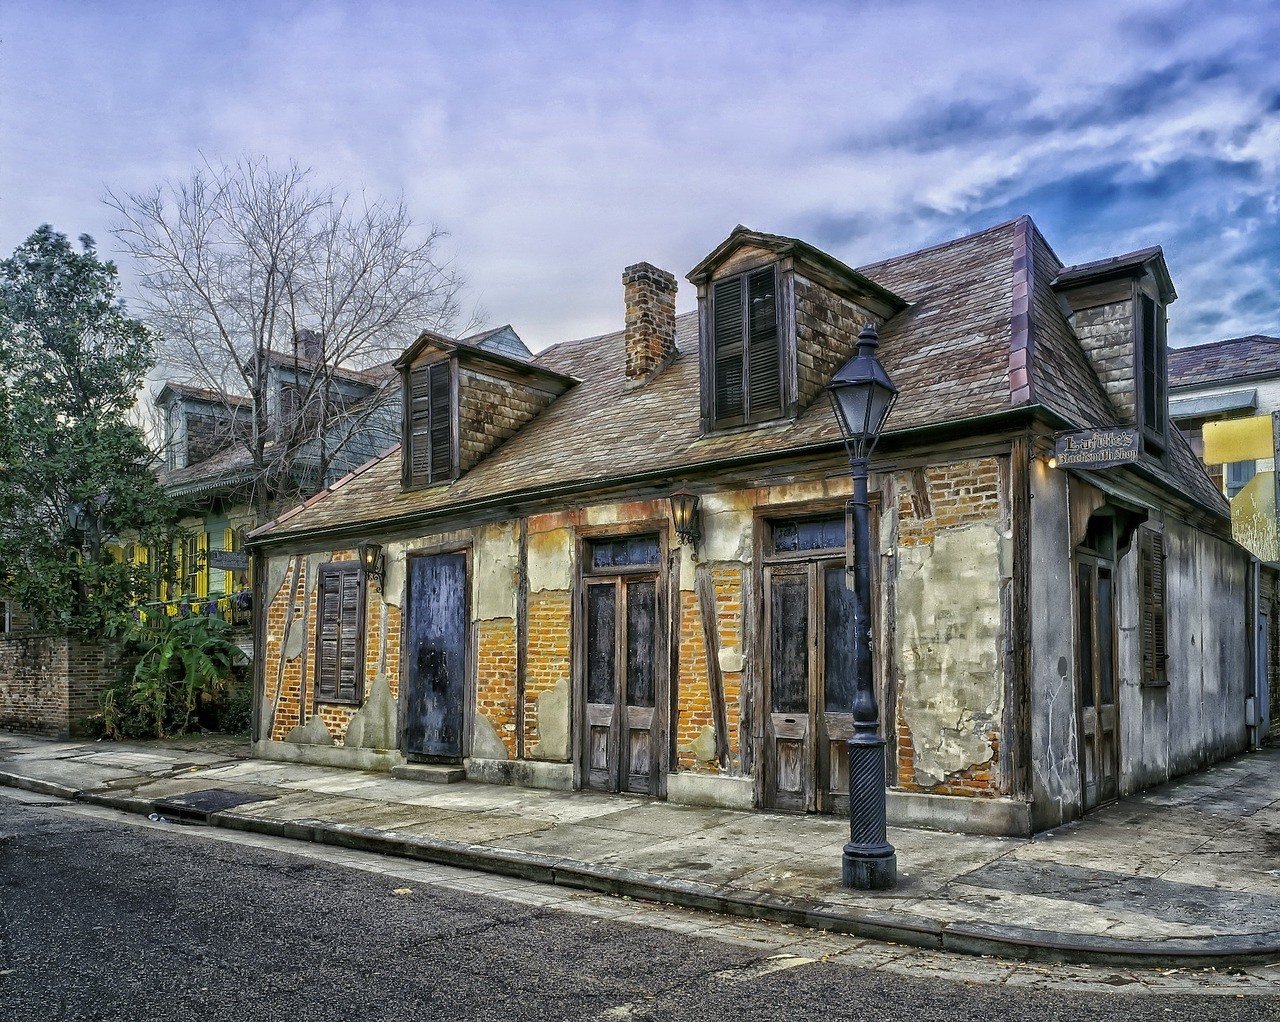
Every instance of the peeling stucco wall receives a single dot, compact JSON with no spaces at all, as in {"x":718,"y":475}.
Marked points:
{"x":950,"y":640}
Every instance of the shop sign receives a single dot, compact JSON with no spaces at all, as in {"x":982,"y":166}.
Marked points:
{"x":228,"y":560}
{"x":1098,"y":448}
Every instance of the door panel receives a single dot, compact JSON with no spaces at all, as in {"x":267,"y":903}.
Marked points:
{"x":1096,"y":680}
{"x":436,"y":667}
{"x":637,"y":702}
{"x":601,"y":753}
{"x":789,"y":753}
{"x":838,"y":684}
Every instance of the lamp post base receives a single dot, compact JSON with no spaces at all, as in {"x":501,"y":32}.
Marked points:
{"x":868,"y":872}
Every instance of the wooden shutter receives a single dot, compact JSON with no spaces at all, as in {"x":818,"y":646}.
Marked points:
{"x":441,"y":423}
{"x":340,"y":634}
{"x":764,"y":367}
{"x":328,"y":603}
{"x":1152,"y":597}
{"x":727,"y":308}
{"x":429,"y":451}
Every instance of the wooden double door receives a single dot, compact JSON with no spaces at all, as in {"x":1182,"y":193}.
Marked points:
{"x":1096,"y":689}
{"x":621,"y":733}
{"x":809,"y":685}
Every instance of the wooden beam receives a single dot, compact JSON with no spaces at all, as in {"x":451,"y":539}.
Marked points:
{"x":704,"y":584}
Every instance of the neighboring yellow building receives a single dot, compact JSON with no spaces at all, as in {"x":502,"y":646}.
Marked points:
{"x":1225,"y":396}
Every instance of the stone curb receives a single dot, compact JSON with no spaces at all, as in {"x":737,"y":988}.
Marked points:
{"x":959,"y":937}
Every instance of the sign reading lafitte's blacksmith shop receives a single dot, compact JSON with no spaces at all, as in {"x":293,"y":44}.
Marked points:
{"x":1097,"y":448}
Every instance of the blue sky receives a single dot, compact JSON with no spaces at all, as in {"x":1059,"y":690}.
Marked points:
{"x":560,"y":142}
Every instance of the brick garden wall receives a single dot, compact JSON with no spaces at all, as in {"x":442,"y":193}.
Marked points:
{"x":49,"y":684}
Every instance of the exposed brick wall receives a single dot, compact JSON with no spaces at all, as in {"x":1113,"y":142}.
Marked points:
{"x":827,"y":328}
{"x":49,"y":684}
{"x":1106,"y":333}
{"x":491,"y":409}
{"x":729,"y":602}
{"x":961,"y":494}
{"x":496,"y":678}
{"x":693,"y":694}
{"x":650,"y":333}
{"x":548,"y":659}
{"x":291,"y":705}
{"x":979,"y":780}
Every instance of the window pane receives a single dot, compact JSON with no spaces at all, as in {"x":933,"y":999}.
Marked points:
{"x":794,"y":535}
{"x":838,"y":664}
{"x":1106,"y":676}
{"x":789,"y":682}
{"x":626,"y":552}
{"x":1239,"y":473}
{"x":641,"y":598}
{"x":601,"y":648}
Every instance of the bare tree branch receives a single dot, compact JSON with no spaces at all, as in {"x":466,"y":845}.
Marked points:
{"x":256,"y":278}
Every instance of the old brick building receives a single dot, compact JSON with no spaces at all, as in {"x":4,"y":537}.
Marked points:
{"x":1047,"y":638}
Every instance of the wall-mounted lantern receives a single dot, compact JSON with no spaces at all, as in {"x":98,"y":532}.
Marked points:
{"x":684,"y":515}
{"x":370,"y":555}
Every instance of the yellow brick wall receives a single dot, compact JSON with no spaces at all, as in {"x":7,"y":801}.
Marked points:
{"x":548,"y":659}
{"x":496,"y":678}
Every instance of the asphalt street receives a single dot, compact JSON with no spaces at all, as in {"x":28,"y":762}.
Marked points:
{"x":102,"y":919}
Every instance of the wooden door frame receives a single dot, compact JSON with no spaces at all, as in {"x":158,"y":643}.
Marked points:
{"x":1083,"y":555}
{"x":464,"y":547}
{"x":664,"y":688}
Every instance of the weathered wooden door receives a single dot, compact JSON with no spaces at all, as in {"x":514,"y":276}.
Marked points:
{"x":809,"y":686}
{"x":620,"y":739}
{"x":435,"y":656}
{"x":1096,"y":679}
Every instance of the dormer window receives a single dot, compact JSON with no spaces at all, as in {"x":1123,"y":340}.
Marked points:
{"x":776,"y":319}
{"x":746,"y":361}
{"x":430,"y":454}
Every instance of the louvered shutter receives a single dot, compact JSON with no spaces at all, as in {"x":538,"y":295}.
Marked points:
{"x":441,"y":434}
{"x":329,"y":602}
{"x":420,"y":425}
{"x":349,"y":636}
{"x":430,"y":448}
{"x":727,"y":307}
{"x":1154,"y":625}
{"x":764,"y":367}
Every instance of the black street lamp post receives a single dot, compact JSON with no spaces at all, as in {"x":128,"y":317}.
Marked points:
{"x":863,"y":395}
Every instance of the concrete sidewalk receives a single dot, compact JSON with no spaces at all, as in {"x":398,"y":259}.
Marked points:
{"x":1185,"y":874}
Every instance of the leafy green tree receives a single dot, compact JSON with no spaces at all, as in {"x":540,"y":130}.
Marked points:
{"x":75,"y":471}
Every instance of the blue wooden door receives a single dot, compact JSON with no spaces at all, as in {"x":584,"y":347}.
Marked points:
{"x":435,"y":657}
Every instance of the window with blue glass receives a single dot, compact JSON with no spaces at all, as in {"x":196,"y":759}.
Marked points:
{"x":625,"y":552}
{"x":796,"y":535}
{"x":1238,"y":475}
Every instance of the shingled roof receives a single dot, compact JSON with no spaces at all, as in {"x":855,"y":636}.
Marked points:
{"x":1236,"y":358}
{"x":980,"y":311}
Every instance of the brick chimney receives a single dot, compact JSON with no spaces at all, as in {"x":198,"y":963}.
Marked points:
{"x":650,"y":295}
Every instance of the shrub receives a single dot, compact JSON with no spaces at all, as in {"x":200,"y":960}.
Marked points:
{"x":184,"y":666}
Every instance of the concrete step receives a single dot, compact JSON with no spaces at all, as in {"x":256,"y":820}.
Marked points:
{"x":431,"y":773}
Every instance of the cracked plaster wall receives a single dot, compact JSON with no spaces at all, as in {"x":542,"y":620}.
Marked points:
{"x":950,"y":640}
